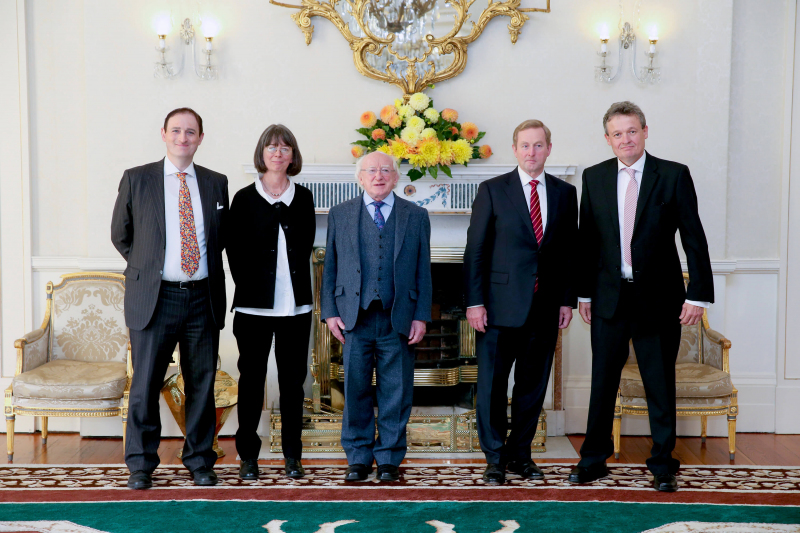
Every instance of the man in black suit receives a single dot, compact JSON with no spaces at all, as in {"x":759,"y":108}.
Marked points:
{"x":631,"y":286}
{"x":517,"y":278}
{"x":167,"y":224}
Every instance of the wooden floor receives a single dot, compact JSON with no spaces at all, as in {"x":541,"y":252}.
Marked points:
{"x":751,"y":449}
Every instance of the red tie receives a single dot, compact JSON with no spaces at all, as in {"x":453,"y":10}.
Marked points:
{"x":536,"y":220}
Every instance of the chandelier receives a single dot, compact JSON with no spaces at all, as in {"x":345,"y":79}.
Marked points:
{"x":396,"y":15}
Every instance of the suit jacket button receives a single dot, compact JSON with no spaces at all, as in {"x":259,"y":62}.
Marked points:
{"x":161,"y":272}
{"x":356,"y":293}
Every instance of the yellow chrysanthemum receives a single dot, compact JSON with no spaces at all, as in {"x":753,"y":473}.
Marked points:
{"x":428,"y":133}
{"x":462,"y":151}
{"x":386,"y":149}
{"x":368,"y":119}
{"x":398,"y":149}
{"x":419,"y":101}
{"x":428,"y":150}
{"x":416,"y":160}
{"x":405,"y":111}
{"x":398,"y":103}
{"x":395,"y":121}
{"x":450,"y":115}
{"x":485,"y":151}
{"x":446,"y":152}
{"x":416,"y":123}
{"x":469,"y":131}
{"x":432,"y":115}
{"x":409,"y":135}
{"x":357,"y":151}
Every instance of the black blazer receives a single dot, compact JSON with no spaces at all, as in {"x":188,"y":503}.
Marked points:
{"x":667,"y":203}
{"x":253,"y":246}
{"x":502,"y":259}
{"x":138,"y":231}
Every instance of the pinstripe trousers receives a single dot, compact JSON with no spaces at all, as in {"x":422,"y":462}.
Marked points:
{"x":182,"y":317}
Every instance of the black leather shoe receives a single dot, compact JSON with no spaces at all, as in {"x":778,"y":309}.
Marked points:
{"x":494,"y":474}
{"x":140,"y":480}
{"x":526,"y":469}
{"x":293,"y":468}
{"x":388,"y":473}
{"x":665,"y":483}
{"x":584,"y":474}
{"x":357,"y":472}
{"x":248,"y":469}
{"x":204,"y":476}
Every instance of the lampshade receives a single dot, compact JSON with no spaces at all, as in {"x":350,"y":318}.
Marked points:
{"x":162,"y":23}
{"x":210,"y":27}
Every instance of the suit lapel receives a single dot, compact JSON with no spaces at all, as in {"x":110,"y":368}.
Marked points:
{"x":206,"y":199}
{"x":649,"y":179}
{"x":553,"y":195}
{"x":155,"y":186}
{"x":401,"y":212}
{"x":354,"y":217}
{"x":610,"y":188}
{"x":516,"y":195}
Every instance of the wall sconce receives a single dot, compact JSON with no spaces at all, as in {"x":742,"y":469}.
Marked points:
{"x":162,"y":24}
{"x":627,"y":39}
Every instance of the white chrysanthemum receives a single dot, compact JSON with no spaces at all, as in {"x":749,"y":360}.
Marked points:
{"x":432,"y":115}
{"x":405,"y":111}
{"x":409,"y":135}
{"x":416,"y":123}
{"x":419,"y":101}
{"x":428,"y":133}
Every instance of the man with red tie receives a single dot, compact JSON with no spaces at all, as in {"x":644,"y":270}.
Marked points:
{"x":518,"y":288}
{"x":168,"y":225}
{"x":631,"y":285}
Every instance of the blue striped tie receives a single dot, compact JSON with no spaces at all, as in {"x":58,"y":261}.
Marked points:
{"x":379,"y":220}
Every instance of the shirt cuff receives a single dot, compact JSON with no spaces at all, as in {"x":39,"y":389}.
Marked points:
{"x":584,"y":300}
{"x":699,"y":304}
{"x":473,"y":306}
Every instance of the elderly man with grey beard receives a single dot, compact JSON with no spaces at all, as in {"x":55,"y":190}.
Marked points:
{"x":376,"y":300}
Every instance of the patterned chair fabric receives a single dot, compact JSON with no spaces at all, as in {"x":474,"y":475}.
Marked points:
{"x":64,"y":379}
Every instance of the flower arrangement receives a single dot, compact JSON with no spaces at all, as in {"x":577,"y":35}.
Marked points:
{"x":429,"y":140}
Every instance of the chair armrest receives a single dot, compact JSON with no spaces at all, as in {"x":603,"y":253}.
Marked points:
{"x":33,"y":349}
{"x":716,"y":350}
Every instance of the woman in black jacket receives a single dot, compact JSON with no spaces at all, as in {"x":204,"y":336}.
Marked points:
{"x":271,"y":233}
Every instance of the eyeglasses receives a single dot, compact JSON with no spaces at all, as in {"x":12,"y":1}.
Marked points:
{"x":285,"y":150}
{"x":385,"y":171}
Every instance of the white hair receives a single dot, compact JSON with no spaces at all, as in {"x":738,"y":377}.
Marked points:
{"x":360,"y":162}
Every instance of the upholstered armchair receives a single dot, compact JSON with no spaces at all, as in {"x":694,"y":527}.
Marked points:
{"x":703,"y":382}
{"x":78,"y":362}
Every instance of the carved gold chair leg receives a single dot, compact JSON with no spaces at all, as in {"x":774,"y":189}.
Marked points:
{"x":616,"y":432}
{"x":10,"y":437}
{"x":703,"y":428}
{"x":44,"y":430}
{"x":124,"y":430}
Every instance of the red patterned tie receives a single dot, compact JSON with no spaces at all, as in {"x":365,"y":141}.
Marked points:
{"x":190,"y":251}
{"x":536,"y":220}
{"x":629,"y":218}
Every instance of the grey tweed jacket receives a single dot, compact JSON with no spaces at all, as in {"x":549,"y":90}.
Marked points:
{"x":138,"y":231}
{"x":341,"y":279}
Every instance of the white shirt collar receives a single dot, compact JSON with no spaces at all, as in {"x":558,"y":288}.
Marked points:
{"x":170,"y":169}
{"x":526,"y":178}
{"x":638,"y":166}
{"x":389,"y":200}
{"x":286,"y":197}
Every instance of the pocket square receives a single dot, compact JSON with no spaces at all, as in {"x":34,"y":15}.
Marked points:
{"x":219,"y":206}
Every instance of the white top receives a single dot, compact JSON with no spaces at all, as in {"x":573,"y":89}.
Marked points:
{"x":541,"y":188}
{"x":284,"y":303}
{"x":622,"y":185}
{"x":386,"y":208}
{"x":172,"y":257}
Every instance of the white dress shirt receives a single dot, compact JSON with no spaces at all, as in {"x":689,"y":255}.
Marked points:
{"x":622,"y":186}
{"x":541,"y":188}
{"x":284,"y":303}
{"x":172,"y":257}
{"x":386,"y":208}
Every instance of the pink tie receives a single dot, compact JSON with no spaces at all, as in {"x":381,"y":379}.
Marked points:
{"x":631,"y":197}
{"x":190,"y":251}
{"x":536,"y":220}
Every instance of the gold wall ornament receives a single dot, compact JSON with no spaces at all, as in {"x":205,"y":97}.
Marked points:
{"x":416,"y":75}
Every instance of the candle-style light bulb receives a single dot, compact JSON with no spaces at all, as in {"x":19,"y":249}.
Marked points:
{"x":653,"y":36}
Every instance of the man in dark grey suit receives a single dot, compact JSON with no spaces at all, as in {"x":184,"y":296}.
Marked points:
{"x":376,"y":299}
{"x":167,"y":224}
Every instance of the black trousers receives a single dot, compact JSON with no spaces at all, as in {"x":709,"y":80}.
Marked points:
{"x":254,"y":337}
{"x":532,"y":346}
{"x":656,"y":342}
{"x":182,"y":317}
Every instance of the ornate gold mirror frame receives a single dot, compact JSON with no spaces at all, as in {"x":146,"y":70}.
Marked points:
{"x":450,"y":43}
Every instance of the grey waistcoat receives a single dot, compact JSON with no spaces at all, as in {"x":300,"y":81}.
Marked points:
{"x":377,"y":260}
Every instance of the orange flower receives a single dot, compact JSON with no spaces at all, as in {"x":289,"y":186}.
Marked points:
{"x":387,"y":113}
{"x":395,"y":122}
{"x":357,"y":151}
{"x":378,"y":134}
{"x":469,"y":131}
{"x":454,"y":130}
{"x":368,"y":119}
{"x":450,"y":115}
{"x":485,"y":151}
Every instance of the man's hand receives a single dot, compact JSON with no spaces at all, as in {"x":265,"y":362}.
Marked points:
{"x":417,"y":331}
{"x":691,"y":314}
{"x":564,"y":317}
{"x":585,"y":309}
{"x":477,"y":318}
{"x":336,"y":325}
